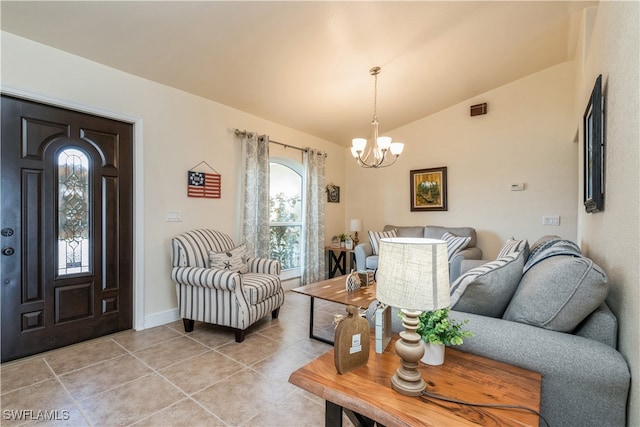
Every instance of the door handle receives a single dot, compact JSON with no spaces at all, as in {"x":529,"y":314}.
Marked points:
{"x":8,"y":251}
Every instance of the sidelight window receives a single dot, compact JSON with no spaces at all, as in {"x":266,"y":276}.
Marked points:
{"x":73,"y":212}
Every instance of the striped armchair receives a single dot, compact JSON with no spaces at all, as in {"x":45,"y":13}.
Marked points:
{"x":217,"y":296}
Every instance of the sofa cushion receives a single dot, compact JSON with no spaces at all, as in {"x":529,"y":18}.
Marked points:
{"x":558,"y":293}
{"x":455,"y":243}
{"x":487,"y":290}
{"x":234,"y":260}
{"x":436,"y":232}
{"x":406,"y":230}
{"x":513,"y":245}
{"x":375,"y":236}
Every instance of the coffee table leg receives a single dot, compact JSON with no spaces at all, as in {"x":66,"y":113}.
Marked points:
{"x":311,"y":334}
{"x":332,"y":415}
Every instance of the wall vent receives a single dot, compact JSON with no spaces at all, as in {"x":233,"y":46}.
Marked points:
{"x":479,"y":109}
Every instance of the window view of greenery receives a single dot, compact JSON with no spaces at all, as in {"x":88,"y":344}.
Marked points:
{"x":285,"y":215}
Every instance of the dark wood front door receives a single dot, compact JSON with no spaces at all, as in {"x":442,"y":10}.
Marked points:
{"x":66,"y":227}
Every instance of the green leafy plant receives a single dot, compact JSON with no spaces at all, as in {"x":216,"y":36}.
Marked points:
{"x":436,"y":327}
{"x":342,"y":237}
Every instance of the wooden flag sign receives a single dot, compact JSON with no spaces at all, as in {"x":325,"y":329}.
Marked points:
{"x":202,"y":184}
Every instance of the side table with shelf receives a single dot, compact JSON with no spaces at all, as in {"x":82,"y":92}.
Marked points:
{"x":338,"y":261}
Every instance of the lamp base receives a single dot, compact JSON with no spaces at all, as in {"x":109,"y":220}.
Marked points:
{"x":407,"y":379}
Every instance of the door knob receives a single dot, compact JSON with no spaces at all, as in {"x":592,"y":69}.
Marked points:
{"x":8,"y":251}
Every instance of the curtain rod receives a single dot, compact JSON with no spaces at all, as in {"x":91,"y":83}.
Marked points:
{"x":239,"y":132}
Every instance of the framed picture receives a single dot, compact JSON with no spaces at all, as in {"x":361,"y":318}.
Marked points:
{"x":333,"y":193}
{"x":429,"y":189}
{"x":593,"y":135}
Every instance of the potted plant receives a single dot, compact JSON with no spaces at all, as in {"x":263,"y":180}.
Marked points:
{"x":343,"y":239}
{"x":437,"y":330}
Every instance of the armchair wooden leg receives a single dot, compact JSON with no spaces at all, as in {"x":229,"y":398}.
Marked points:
{"x":239,"y":334}
{"x":274,"y":313}
{"x":188,"y":324}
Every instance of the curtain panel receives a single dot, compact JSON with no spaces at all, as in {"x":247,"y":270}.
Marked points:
{"x":313,"y":269}
{"x":255,"y":200}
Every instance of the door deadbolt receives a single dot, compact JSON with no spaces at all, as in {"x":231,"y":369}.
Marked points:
{"x":8,"y":251}
{"x":6,"y":232}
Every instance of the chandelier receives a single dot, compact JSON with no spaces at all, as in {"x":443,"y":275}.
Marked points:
{"x":382,"y":151}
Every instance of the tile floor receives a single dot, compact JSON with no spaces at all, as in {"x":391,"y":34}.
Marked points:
{"x":164,"y":377}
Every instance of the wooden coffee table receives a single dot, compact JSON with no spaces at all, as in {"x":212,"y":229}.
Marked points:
{"x":334,"y":290}
{"x":366,"y":396}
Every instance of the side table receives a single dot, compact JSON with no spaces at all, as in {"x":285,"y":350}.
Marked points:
{"x":338,"y":263}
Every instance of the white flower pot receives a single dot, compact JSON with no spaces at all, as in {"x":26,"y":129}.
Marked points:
{"x":433,"y":354}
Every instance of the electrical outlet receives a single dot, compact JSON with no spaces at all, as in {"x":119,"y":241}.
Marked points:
{"x":551,"y":220}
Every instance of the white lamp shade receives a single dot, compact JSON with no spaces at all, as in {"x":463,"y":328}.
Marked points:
{"x":359,"y":144}
{"x":354,"y":153}
{"x":384,"y":142}
{"x":413,"y":273}
{"x":396,"y":148}
{"x":355,"y":225}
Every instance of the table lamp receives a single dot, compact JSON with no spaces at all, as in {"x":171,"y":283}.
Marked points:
{"x":413,"y":275}
{"x":355,"y":225}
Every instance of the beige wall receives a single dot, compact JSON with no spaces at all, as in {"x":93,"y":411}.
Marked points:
{"x":179,"y":131}
{"x":526,"y":137}
{"x":611,"y":47}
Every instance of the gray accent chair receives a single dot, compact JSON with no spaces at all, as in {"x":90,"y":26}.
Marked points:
{"x":366,"y":260}
{"x":217,"y":296}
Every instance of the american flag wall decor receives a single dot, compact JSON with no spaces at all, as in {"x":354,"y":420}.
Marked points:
{"x":202,"y":184}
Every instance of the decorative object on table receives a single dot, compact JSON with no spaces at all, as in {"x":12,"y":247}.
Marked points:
{"x":366,"y":277}
{"x":335,"y":242}
{"x":382,"y":327}
{"x":333,"y":193}
{"x":355,"y":225}
{"x":203,"y":184}
{"x":343,"y":239}
{"x":438,"y":330}
{"x":382,"y":148}
{"x":593,"y":134}
{"x":352,"y":341}
{"x":413,"y":275}
{"x":429,"y":189}
{"x":348,"y":244}
{"x":353,"y":281}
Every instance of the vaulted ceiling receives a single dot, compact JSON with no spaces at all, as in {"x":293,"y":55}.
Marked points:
{"x":306,"y":64}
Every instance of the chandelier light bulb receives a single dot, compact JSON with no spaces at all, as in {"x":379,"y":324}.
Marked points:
{"x":396,"y":148}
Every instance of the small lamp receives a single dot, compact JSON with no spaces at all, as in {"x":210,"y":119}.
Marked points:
{"x":413,"y":275}
{"x":355,"y":225}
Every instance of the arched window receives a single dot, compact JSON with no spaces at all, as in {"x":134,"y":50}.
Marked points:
{"x":285,"y":214}
{"x":73,"y":212}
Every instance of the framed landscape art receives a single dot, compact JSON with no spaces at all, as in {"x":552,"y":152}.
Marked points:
{"x":429,"y":189}
{"x":593,"y":134}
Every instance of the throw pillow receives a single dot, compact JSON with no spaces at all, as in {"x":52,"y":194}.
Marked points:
{"x":487,"y":290}
{"x":512,"y":246}
{"x":375,"y":236}
{"x":234,"y":260}
{"x":558,"y":293}
{"x":455,"y":243}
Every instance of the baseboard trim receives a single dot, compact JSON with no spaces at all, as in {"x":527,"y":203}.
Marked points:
{"x":161,"y":318}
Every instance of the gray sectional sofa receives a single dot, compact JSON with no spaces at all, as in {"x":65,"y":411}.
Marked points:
{"x":544,"y":310}
{"x":367,"y":260}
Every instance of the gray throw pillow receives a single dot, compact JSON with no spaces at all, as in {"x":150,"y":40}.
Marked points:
{"x":558,"y":293}
{"x":487,"y":289}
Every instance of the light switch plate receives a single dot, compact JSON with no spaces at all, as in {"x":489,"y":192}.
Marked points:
{"x":551,"y":220}
{"x":173,"y":216}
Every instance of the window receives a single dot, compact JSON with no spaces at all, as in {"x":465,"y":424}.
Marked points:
{"x":285,"y":214}
{"x":73,"y":212}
